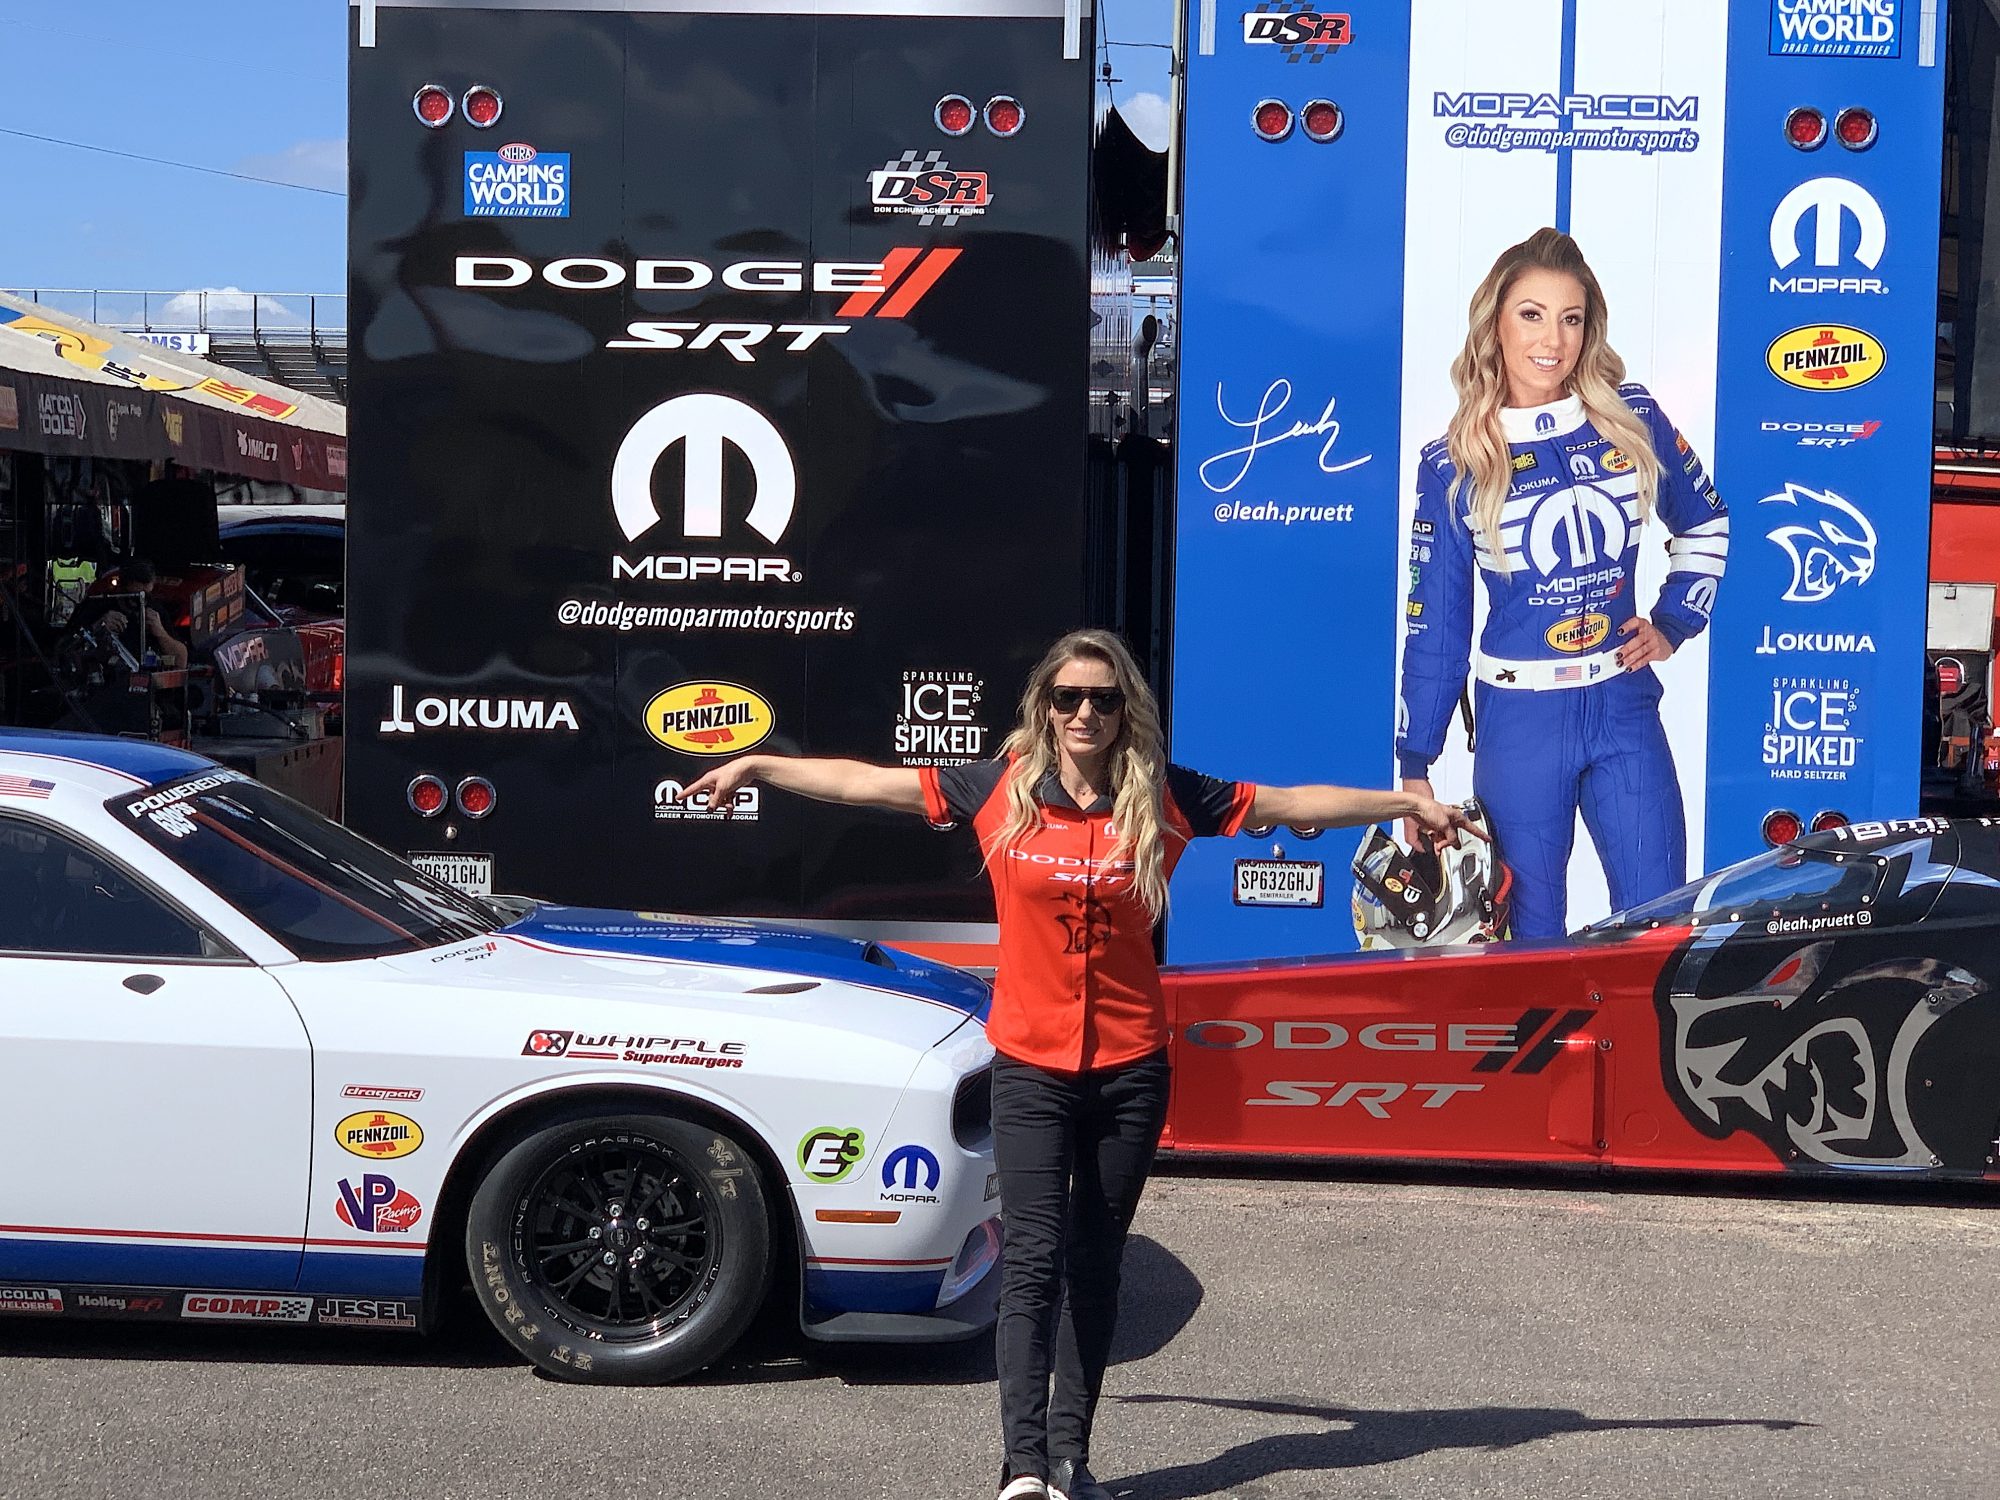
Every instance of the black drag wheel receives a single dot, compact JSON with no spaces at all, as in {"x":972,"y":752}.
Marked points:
{"x":624,"y":1250}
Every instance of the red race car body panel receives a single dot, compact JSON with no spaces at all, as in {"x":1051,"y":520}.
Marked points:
{"x":1828,"y":1007}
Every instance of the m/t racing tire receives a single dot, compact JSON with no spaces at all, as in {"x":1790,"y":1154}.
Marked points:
{"x":631,"y":1249}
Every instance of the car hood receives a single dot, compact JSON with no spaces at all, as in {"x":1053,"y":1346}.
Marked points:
{"x":754,"y":956}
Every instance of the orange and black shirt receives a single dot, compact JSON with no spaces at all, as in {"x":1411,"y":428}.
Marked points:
{"x":1076,"y":986}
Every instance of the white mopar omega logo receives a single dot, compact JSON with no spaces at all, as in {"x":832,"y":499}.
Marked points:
{"x":1586,"y":524}
{"x":1828,"y":199}
{"x":704,"y":423}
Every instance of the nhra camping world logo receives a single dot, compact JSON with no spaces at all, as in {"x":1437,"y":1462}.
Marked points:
{"x":517,"y":182}
{"x":923,"y":183}
{"x":1836,"y":28}
{"x":1302,"y":33}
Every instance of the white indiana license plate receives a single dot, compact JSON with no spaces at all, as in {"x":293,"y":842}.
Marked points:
{"x":471,"y":873}
{"x":1280,"y":882}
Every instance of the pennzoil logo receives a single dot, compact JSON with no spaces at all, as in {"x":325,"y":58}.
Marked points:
{"x":709,"y":718}
{"x":1579,"y":633}
{"x":1825,"y":357}
{"x":379,"y":1134}
{"x":1614,"y":461}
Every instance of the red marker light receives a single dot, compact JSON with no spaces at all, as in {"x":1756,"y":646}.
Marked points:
{"x":1322,"y":120}
{"x":1856,"y":127}
{"x":1805,"y":128}
{"x":1829,"y":820}
{"x":955,"y":114}
{"x":432,"y":104}
{"x":476,"y":796}
{"x":428,"y":796}
{"x":1781,"y":827}
{"x":482,"y":106}
{"x":1004,"y":114}
{"x":1271,"y":119}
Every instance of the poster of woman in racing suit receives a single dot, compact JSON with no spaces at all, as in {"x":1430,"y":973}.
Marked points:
{"x":1543,"y":485}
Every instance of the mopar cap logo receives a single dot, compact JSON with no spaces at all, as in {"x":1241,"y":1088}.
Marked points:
{"x":709,"y":718}
{"x":1825,"y":357}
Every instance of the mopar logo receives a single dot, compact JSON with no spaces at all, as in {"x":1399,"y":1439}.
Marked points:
{"x":1498,"y":106}
{"x":910,"y":1175}
{"x":1831,"y":201}
{"x":710,"y":426}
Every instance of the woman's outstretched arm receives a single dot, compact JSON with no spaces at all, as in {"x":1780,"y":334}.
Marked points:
{"x":855,"y":782}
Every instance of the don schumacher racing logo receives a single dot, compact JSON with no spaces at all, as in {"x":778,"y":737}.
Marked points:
{"x":924,"y":184}
{"x":1300,"y":32}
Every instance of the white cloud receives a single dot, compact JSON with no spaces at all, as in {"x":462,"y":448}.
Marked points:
{"x":320,"y":164}
{"x":1150,"y":117}
{"x":225,"y":307}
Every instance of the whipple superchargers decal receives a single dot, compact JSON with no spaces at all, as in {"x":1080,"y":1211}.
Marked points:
{"x":713,"y":399}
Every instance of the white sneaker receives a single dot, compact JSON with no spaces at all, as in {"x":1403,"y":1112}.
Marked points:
{"x":1025,"y":1487}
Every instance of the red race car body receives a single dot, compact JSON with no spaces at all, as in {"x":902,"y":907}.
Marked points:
{"x":1828,"y":1006}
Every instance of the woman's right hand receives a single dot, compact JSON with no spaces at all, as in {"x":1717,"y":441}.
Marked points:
{"x":722,"y":784}
{"x":1416,"y":786}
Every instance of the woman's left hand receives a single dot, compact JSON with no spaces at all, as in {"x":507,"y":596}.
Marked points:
{"x":1645,"y":646}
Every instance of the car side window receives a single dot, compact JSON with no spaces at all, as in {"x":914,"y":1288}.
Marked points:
{"x":58,"y":896}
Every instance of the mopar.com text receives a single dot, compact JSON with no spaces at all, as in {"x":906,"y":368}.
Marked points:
{"x":600,"y":615}
{"x":1284,"y":515}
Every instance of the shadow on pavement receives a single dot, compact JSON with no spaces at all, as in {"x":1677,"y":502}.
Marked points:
{"x":1159,"y":1297}
{"x":1366,"y":1437}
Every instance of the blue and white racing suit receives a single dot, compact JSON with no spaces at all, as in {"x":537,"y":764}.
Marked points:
{"x":1560,"y":727}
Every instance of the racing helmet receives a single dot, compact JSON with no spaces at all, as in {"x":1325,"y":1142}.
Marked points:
{"x":1432,"y":895}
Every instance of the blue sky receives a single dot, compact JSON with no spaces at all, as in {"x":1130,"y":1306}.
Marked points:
{"x":255,"y":88}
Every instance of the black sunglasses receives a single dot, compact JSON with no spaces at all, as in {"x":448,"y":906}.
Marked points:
{"x":1067,"y":700}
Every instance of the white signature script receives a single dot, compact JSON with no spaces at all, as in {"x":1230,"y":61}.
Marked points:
{"x":1276,"y":398}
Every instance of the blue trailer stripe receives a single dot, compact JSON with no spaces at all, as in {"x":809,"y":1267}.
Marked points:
{"x":1565,"y":157}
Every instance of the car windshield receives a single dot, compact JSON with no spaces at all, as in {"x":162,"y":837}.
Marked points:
{"x":1783,"y":880}
{"x":321,"y":891}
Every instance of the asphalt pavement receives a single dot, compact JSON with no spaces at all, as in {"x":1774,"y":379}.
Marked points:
{"x":1284,"y":1336}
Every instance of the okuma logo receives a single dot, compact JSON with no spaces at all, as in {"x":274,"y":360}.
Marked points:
{"x":1829,"y":541}
{"x":1831,"y":201}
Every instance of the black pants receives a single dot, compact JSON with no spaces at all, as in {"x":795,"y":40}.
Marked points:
{"x":1073,"y":1151}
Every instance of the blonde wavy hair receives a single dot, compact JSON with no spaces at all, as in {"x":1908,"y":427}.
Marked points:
{"x":1475,"y":439}
{"x":1138,"y":762}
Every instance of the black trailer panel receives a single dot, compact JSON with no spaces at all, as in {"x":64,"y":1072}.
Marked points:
{"x":713,"y":398}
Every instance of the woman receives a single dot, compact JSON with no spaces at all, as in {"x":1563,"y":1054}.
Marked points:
{"x":1545,"y":478}
{"x":1081,"y":820}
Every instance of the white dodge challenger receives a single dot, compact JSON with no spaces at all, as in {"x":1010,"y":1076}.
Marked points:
{"x":255,"y":1068}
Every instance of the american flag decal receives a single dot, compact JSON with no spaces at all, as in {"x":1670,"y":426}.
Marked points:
{"x":1569,"y":674}
{"x":22,"y":786}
